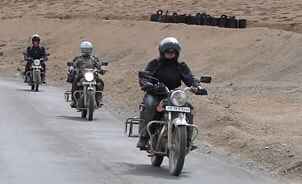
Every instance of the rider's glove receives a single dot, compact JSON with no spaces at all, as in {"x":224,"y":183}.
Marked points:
{"x":160,"y":89}
{"x":200,"y":91}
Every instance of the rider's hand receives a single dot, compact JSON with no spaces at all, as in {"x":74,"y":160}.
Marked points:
{"x":200,"y":91}
{"x":161,"y":88}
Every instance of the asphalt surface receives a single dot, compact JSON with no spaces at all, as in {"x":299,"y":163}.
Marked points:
{"x":42,"y":140}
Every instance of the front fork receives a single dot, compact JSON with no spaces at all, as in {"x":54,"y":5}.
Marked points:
{"x":181,"y":120}
{"x":88,"y":90}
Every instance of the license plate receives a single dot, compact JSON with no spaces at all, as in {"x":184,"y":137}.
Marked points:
{"x":89,"y":83}
{"x":178,"y":109}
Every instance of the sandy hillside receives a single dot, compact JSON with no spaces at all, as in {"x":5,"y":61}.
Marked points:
{"x":285,"y":14}
{"x":255,"y":99}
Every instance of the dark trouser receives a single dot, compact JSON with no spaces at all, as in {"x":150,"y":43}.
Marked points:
{"x":99,"y":87}
{"x":148,"y":113}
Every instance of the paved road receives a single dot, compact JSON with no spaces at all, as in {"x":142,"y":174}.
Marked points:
{"x":42,"y":141}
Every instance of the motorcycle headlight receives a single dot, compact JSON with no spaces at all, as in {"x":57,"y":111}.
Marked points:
{"x":179,"y":98}
{"x":89,"y":76}
{"x":37,"y":62}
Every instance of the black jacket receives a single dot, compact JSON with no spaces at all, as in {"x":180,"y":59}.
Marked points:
{"x":170,"y":73}
{"x":36,"y":53}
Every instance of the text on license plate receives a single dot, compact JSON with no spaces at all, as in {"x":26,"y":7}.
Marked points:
{"x":178,"y":109}
{"x":89,"y":83}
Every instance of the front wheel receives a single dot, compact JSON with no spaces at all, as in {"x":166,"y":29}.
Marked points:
{"x":90,"y":107}
{"x":37,"y":87}
{"x":157,"y":160}
{"x":84,"y":113}
{"x":177,"y":153}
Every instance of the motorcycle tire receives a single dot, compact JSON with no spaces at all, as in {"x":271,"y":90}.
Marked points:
{"x":242,"y":23}
{"x":189,"y":20}
{"x":91,"y":100}
{"x":178,"y":151}
{"x":232,"y":22}
{"x":196,"y":19}
{"x":222,"y":21}
{"x":182,"y":18}
{"x":37,"y":87}
{"x":84,"y":113}
{"x":157,"y":160}
{"x":213,"y":21}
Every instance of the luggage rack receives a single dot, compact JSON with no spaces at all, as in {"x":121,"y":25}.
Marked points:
{"x":129,"y":126}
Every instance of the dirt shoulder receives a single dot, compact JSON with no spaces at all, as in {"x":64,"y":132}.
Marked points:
{"x":254,"y":105}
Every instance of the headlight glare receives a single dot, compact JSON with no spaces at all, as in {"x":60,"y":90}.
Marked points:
{"x":89,"y":76}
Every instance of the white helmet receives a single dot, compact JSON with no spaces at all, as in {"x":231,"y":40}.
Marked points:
{"x":169,"y":43}
{"x":35,"y":37}
{"x":86,"y":48}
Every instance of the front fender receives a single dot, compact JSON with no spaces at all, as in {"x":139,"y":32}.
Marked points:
{"x":180,"y":121}
{"x":91,"y":89}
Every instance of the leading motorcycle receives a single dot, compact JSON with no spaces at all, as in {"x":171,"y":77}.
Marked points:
{"x":170,"y":135}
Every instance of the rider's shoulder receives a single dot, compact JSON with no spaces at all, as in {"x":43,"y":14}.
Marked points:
{"x":77,"y":58}
{"x":154,"y":62}
{"x":183,"y":64}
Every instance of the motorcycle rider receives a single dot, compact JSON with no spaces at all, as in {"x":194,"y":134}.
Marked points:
{"x":170,"y":72}
{"x":36,"y":52}
{"x":80,"y":63}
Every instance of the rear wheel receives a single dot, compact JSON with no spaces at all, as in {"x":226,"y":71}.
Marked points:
{"x":177,"y":153}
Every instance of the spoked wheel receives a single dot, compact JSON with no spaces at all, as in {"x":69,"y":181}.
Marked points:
{"x":177,"y":153}
{"x":84,"y":113}
{"x":90,"y":107}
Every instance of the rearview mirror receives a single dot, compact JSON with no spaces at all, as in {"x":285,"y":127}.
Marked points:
{"x":69,"y":63}
{"x":205,"y":79}
{"x":105,"y":63}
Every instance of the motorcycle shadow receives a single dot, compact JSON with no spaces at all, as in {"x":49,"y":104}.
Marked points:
{"x":149,"y":170}
{"x":73,"y":118}
{"x":29,"y":90}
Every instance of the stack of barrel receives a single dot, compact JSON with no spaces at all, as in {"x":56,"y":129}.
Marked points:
{"x":199,"y":19}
